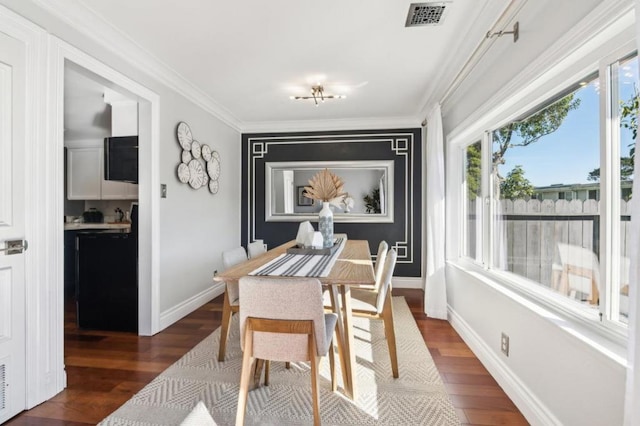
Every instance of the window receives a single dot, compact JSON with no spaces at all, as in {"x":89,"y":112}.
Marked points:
{"x":545,"y":223}
{"x":624,"y":110}
{"x":473,"y":200}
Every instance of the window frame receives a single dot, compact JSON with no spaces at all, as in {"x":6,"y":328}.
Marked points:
{"x":601,"y":320}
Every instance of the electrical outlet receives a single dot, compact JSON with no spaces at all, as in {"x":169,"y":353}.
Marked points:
{"x":504,"y":344}
{"x":215,"y":273}
{"x":163,"y":190}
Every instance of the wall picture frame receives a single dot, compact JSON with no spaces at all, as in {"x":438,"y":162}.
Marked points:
{"x":302,"y":200}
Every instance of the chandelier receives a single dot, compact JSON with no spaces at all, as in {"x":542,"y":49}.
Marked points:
{"x":317,"y":94}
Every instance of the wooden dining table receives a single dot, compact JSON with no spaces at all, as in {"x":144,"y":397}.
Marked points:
{"x":353,"y":268}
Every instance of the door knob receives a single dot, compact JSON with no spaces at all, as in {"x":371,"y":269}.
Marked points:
{"x":15,"y":247}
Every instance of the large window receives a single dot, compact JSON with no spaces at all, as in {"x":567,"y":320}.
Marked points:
{"x":473,"y":201}
{"x":559,"y":180}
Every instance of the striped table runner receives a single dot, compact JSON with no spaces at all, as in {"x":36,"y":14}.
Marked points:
{"x":301,"y":265}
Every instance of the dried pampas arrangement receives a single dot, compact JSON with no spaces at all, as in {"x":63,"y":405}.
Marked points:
{"x":325,"y":186}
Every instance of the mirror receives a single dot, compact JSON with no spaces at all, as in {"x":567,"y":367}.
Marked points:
{"x":369,"y":183}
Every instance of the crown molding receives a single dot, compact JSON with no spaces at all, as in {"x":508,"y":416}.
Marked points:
{"x":605,"y":20}
{"x":88,"y":23}
{"x":332,"y":124}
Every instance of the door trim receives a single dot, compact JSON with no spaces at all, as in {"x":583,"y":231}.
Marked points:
{"x":149,"y":172}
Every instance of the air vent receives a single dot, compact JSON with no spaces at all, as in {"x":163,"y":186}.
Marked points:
{"x":421,"y":14}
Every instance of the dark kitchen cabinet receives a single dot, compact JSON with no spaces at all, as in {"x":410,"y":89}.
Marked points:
{"x":107,"y":281}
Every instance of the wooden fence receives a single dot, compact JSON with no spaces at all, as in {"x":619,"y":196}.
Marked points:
{"x":533,"y":229}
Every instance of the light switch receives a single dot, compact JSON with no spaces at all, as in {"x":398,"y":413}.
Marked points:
{"x":163,"y":190}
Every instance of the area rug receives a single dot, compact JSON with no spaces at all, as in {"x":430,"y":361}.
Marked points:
{"x":417,"y":397}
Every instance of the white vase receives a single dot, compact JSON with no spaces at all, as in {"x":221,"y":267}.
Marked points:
{"x":325,"y":225}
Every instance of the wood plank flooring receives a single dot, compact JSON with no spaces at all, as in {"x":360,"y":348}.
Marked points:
{"x":105,"y":369}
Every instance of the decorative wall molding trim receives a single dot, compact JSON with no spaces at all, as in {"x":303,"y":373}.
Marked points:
{"x":87,"y":22}
{"x":181,"y":310}
{"x":403,"y":146}
{"x":531,"y":407}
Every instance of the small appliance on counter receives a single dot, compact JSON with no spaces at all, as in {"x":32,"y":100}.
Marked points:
{"x":93,"y":215}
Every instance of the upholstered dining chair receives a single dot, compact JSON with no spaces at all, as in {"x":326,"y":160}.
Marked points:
{"x":231,"y":296}
{"x":377,"y":304}
{"x":282,"y":319}
{"x":255,"y":249}
{"x":381,"y":256}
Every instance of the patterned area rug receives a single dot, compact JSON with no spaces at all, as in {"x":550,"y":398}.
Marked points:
{"x":418,"y":397}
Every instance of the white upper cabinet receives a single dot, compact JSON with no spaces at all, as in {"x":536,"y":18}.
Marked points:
{"x":85,"y":177}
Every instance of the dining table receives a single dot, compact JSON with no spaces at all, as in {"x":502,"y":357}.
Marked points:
{"x":353,"y":267}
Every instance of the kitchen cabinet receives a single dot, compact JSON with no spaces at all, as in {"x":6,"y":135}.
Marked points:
{"x":85,"y":177}
{"x":107,"y":281}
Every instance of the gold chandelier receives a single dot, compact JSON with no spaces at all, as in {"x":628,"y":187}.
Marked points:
{"x":317,"y":94}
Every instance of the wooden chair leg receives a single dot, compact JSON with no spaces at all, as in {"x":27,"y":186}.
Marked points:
{"x":245,"y":377}
{"x":315,"y":387}
{"x":267,"y":364}
{"x":224,"y":331}
{"x":390,"y":334}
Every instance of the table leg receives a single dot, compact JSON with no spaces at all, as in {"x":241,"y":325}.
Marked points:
{"x":340,"y":334}
{"x":350,"y":349}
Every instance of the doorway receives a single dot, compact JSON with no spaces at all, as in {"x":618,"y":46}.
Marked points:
{"x":71,"y":60}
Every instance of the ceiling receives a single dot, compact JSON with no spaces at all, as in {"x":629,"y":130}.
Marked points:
{"x":250,"y":57}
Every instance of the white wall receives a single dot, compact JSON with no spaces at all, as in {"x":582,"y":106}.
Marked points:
{"x":557,"y":371}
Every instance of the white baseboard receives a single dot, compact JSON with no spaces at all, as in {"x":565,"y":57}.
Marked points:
{"x":183,"y":309}
{"x":529,"y":405}
{"x":405,"y":282}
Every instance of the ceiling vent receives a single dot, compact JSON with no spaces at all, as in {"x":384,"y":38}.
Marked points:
{"x":421,"y":14}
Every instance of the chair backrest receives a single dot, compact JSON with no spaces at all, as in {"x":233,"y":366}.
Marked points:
{"x":255,"y":249}
{"x":284,"y":299}
{"x":379,"y":266}
{"x":387,"y":275}
{"x":233,"y":257}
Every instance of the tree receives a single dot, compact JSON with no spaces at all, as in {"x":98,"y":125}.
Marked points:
{"x":530,"y":130}
{"x":474,"y":170}
{"x":515,"y":185}
{"x":628,"y":120}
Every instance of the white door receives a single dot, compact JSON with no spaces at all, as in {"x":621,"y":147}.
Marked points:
{"x":12,"y":214}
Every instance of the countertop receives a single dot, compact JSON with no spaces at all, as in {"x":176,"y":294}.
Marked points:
{"x":126,"y":227}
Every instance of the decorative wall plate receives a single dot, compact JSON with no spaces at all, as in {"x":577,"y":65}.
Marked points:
{"x":206,"y":152}
{"x":213,"y":186}
{"x":196,"y":174}
{"x":213,"y":168}
{"x":186,"y":156}
{"x":183,"y":173}
{"x":184,"y":135}
{"x":200,"y":165}
{"x":195,"y":149}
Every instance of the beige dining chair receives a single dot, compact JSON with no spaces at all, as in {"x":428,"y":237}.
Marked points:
{"x":255,"y":249}
{"x":377,"y":304}
{"x":282,"y":319}
{"x":231,"y":302}
{"x":381,"y":256}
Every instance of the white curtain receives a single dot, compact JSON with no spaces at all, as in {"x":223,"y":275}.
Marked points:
{"x":632,"y":395}
{"x":435,"y":295}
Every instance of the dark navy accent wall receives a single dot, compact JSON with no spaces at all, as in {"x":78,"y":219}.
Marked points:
{"x":403,"y":146}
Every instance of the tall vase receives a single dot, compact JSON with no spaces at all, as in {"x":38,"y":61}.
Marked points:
{"x":325,"y":225}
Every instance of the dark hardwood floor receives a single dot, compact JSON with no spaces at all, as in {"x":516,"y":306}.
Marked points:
{"x":105,"y":369}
